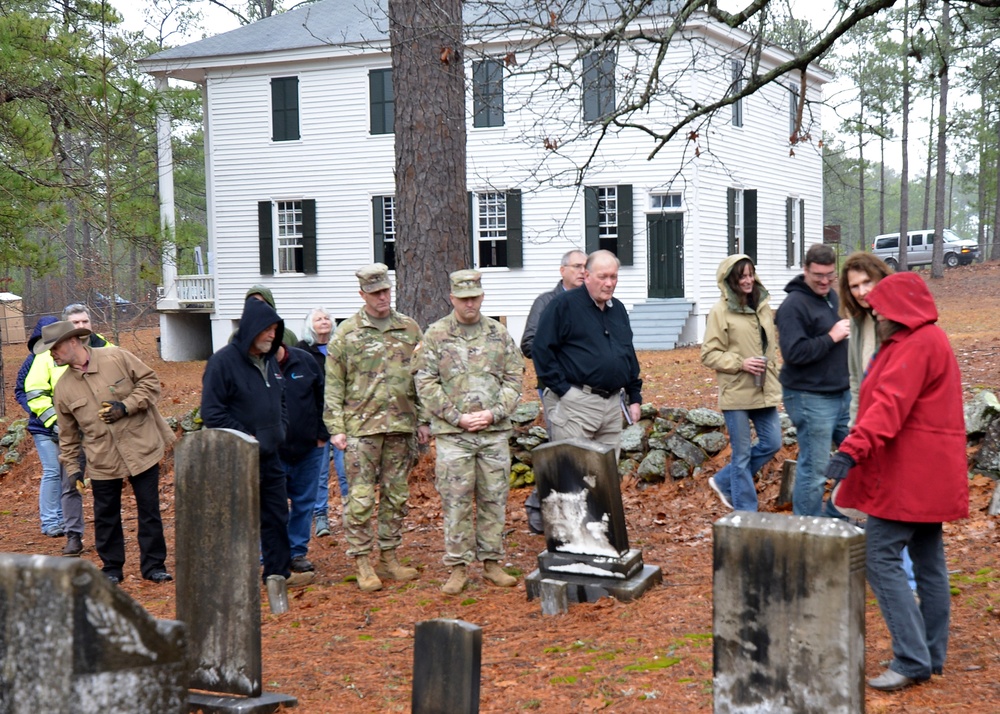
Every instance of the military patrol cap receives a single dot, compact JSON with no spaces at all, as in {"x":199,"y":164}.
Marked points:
{"x":466,"y":283}
{"x":374,"y":277}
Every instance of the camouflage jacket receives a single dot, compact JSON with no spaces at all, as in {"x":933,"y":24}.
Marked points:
{"x":457,"y":373}
{"x":369,"y":388}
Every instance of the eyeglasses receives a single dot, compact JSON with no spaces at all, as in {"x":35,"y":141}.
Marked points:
{"x":577,"y":266}
{"x":823,"y":277}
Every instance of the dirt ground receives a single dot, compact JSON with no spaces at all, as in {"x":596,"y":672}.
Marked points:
{"x":339,"y":650}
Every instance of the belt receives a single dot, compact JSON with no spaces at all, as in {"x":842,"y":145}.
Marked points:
{"x":602,"y":393}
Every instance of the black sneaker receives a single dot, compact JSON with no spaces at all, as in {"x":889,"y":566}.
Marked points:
{"x":113,"y":579}
{"x":159,"y":576}
{"x":300,"y":564}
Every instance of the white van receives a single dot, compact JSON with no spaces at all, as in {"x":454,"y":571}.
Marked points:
{"x":957,"y":250}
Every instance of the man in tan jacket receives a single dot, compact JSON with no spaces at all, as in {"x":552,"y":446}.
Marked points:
{"x":106,"y":405}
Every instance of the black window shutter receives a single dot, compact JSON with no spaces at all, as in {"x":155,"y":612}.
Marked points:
{"x":625,"y":230}
{"x":750,"y":224}
{"x":514,"y":232}
{"x":789,"y":235}
{"x":309,"y":262}
{"x":264,"y":238}
{"x":731,"y":247}
{"x":591,"y":88}
{"x":472,"y":230}
{"x":592,"y":239}
{"x":802,"y":232}
{"x":480,"y":94}
{"x":378,"y":224}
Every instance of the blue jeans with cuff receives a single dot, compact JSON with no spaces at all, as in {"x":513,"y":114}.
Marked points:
{"x":735,"y":479}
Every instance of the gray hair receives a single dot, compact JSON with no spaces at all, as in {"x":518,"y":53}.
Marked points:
{"x":601,"y":255}
{"x":73,"y":309}
{"x":568,"y":255}
{"x":309,"y":334}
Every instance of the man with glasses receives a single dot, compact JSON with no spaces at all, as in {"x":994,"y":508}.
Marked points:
{"x":814,"y":378}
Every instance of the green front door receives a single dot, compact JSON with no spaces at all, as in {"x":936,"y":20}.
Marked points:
{"x":666,"y":255}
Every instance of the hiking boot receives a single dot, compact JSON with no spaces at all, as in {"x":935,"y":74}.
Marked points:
{"x":301,"y":564}
{"x":390,"y":568}
{"x":159,"y":576}
{"x":299,"y":580}
{"x":456,"y":581}
{"x":495,"y":574}
{"x":322,"y":527}
{"x":74,"y":545}
{"x":367,"y":579}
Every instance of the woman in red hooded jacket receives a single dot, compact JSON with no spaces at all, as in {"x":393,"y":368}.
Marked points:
{"x":905,"y":466}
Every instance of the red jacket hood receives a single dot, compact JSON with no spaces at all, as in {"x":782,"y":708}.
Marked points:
{"x":904,"y":298}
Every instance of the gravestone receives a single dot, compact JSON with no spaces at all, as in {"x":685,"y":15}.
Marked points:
{"x":217,"y":546}
{"x":585,"y":532}
{"x":447,"y":656}
{"x":788,"y":614}
{"x":71,"y":642}
{"x":787,"y":483}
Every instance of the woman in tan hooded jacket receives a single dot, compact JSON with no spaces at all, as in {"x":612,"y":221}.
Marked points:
{"x":741,"y":346}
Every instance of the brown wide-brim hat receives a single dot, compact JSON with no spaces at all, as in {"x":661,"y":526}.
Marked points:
{"x":57,"y":332}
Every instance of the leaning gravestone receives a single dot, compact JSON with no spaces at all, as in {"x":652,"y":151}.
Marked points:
{"x":217,"y":546}
{"x":71,"y":642}
{"x":788,"y":614}
{"x":585,"y":533}
{"x":447,"y":655}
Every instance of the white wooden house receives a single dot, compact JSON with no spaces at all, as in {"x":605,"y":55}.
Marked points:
{"x":299,"y":157}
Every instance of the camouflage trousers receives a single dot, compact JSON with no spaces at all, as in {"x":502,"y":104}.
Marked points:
{"x":382,"y":460}
{"x":473,"y":468}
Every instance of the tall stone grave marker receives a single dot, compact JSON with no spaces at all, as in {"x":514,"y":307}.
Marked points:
{"x":788,"y":614}
{"x":585,"y":534}
{"x":216,"y":486}
{"x":73,"y":643}
{"x":447,"y":655}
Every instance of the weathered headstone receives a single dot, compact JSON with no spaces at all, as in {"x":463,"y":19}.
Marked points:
{"x":585,"y":533}
{"x":554,"y":597}
{"x":216,"y":486}
{"x":447,"y":656}
{"x":788,"y":614}
{"x":787,"y":483}
{"x":72,"y":642}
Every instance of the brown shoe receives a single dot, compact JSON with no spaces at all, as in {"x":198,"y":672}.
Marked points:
{"x":367,"y":579}
{"x":388,"y":568}
{"x":74,"y":545}
{"x":456,"y":581}
{"x":496,"y":575}
{"x":299,"y":580}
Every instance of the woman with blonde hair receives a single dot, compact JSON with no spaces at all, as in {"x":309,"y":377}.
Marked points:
{"x":741,"y":346}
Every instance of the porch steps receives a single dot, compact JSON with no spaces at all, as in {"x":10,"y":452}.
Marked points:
{"x":657,"y":323}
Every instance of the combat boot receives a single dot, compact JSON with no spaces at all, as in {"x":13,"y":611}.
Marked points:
{"x":495,"y":574}
{"x":390,"y":568}
{"x":367,"y":579}
{"x":456,"y":581}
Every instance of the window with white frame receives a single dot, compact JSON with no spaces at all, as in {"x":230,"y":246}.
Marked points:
{"x":389,"y":231}
{"x":607,"y":218}
{"x":738,"y":221}
{"x":736,"y":68}
{"x":742,"y":221}
{"x":665,"y":201}
{"x":491,"y":229}
{"x":795,"y":241}
{"x":793,"y":111}
{"x":289,"y":246}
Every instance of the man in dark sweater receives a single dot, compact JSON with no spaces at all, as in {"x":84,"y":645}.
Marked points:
{"x":814,"y":377}
{"x":243,"y":389}
{"x":583,"y":353}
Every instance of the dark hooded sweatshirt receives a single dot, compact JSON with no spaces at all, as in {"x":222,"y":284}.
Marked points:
{"x":243,"y":393}
{"x":813,"y":362}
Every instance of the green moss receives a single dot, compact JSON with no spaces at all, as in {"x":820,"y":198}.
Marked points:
{"x":649,"y":665}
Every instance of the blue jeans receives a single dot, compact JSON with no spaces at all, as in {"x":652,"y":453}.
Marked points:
{"x":919,"y":633}
{"x":50,"y":489}
{"x":735,"y":479}
{"x":302,"y":486}
{"x":322,"y":506}
{"x":820,"y":420}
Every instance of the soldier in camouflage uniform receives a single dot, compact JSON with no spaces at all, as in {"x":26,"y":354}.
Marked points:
{"x":371,"y":413}
{"x":468,"y":372}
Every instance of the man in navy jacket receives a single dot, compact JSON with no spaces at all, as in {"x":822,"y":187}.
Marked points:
{"x":243,"y":389}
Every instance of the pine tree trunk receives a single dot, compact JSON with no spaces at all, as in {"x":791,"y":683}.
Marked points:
{"x":904,"y":177}
{"x":937,"y":262}
{"x":432,"y":208}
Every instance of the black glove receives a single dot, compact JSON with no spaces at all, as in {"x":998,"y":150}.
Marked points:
{"x":112,"y":412}
{"x":77,"y":480}
{"x":840,"y":464}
